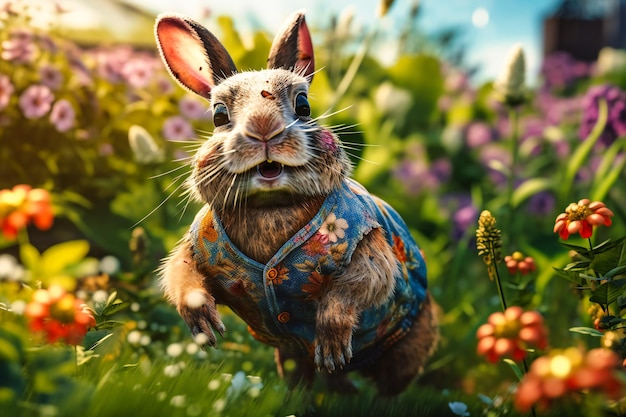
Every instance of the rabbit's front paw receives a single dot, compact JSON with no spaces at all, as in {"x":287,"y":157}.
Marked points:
{"x":333,"y":338}
{"x":199,"y":312}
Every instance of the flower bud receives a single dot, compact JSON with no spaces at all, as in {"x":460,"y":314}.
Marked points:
{"x":144,"y":147}
{"x":510,"y":87}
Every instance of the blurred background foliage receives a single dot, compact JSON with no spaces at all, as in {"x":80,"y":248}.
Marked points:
{"x":421,"y":136}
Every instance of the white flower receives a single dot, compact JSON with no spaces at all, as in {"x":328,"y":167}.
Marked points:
{"x":334,"y":228}
{"x":109,"y":265}
{"x":459,"y":408}
{"x":134,"y":337}
{"x":174,"y":350}
{"x":178,"y":401}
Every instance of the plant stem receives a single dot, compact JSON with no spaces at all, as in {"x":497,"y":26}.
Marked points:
{"x":496,"y":276}
{"x":514,"y":121}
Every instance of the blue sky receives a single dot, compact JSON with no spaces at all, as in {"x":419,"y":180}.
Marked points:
{"x":488,"y":39}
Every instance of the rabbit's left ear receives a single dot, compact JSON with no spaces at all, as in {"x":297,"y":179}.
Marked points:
{"x":192,"y":54}
{"x":292,"y":47}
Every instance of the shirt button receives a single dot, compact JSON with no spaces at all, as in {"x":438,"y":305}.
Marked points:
{"x":284,"y":317}
{"x":272,"y":273}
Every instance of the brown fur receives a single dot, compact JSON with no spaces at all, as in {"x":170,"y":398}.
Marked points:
{"x":260,"y":214}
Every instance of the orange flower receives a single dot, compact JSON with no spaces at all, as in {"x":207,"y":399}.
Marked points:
{"x":571,"y":370}
{"x":59,"y":315}
{"x":398,"y":249}
{"x":581,"y":217}
{"x":509,"y":334}
{"x":316,"y":285}
{"x":518,"y":262}
{"x":21,"y":205}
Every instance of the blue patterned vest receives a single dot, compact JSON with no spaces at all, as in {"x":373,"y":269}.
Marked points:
{"x":278,"y":300}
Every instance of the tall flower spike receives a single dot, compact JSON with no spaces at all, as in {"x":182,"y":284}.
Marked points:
{"x":488,"y":240}
{"x":510,"y":87}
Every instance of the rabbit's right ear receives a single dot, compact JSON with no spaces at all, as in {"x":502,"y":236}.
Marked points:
{"x":192,"y":54}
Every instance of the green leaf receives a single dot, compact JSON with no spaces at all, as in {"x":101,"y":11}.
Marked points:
{"x":582,"y":251}
{"x":586,"y":331}
{"x":109,"y":324}
{"x":605,"y":294}
{"x":60,"y":256}
{"x":569,"y":275}
{"x":29,"y":255}
{"x":578,"y":158}
{"x":113,"y":308}
{"x":604,"y":178}
{"x":514,"y":367}
{"x":619,"y":270}
{"x":95,"y":338}
{"x":529,"y":188}
{"x":609,"y":256}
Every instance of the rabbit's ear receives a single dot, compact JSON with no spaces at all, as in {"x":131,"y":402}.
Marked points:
{"x":292,"y":47}
{"x":192,"y":54}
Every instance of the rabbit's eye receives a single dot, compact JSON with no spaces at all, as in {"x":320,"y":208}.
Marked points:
{"x":302,"y":105}
{"x":220,"y":115}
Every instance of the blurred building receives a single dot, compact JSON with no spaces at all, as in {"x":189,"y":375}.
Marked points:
{"x":583,"y":27}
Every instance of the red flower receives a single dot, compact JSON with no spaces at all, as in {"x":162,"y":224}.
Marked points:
{"x":59,"y":315}
{"x":571,"y":370}
{"x":509,"y":334}
{"x":518,"y":262}
{"x":20,"y":206}
{"x":581,"y":217}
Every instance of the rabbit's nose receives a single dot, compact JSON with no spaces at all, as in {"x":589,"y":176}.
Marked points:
{"x":264,"y":127}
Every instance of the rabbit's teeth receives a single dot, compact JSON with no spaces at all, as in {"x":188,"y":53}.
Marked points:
{"x":270,"y":169}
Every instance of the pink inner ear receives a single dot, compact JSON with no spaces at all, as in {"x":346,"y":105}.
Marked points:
{"x":184,"y":55}
{"x":306,"y":61}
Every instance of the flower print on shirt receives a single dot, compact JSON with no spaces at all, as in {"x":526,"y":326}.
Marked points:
{"x":334,"y":228}
{"x":316,"y":285}
{"x":277,"y":275}
{"x":317,"y":245}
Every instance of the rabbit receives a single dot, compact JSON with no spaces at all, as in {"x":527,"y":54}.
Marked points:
{"x":317,"y":267}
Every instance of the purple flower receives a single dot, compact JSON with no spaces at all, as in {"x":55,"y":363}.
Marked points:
{"x":560,"y":71}
{"x":62,"y":115}
{"x":616,"y":118}
{"x":177,"y":128}
{"x":462,"y":211}
{"x":192,"y":108}
{"x":478,"y":134}
{"x":542,"y":204}
{"x":50,"y":76}
{"x":6,"y":91}
{"x":36,"y":101}
{"x":495,"y":158}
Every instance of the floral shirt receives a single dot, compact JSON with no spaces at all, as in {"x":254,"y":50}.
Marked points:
{"x":278,"y":300}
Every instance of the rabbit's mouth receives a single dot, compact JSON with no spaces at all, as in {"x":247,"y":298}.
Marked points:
{"x":270,"y":169}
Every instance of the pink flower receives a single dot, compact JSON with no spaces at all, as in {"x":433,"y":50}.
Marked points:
{"x":6,"y":91}
{"x":19,"y":50}
{"x":36,"y":101}
{"x":177,"y":128}
{"x":51,"y":77}
{"x":192,"y":108}
{"x":138,"y":72}
{"x":63,"y":115}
